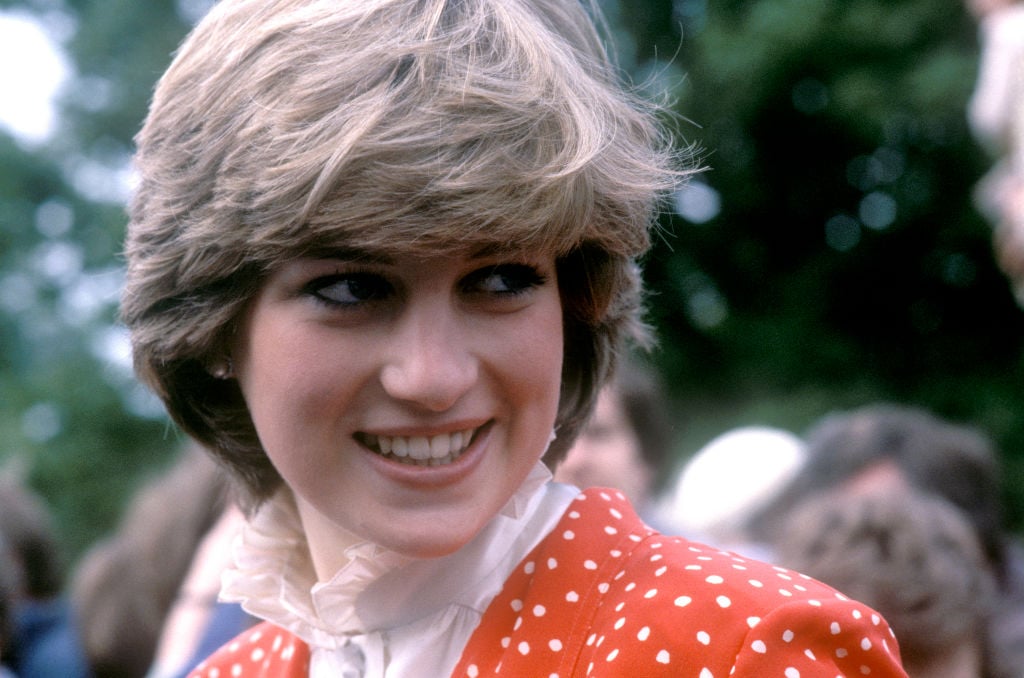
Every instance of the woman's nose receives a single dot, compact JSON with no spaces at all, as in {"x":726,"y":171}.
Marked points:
{"x":430,"y":361}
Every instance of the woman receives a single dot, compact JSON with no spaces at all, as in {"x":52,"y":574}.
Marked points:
{"x":381,"y":258}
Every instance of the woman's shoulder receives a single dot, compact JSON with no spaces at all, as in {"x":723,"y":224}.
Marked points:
{"x":600,"y":532}
{"x":264,"y":651}
{"x":740,"y":616}
{"x":604,"y":590}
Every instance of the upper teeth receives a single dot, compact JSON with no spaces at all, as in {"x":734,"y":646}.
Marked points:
{"x":422,"y":447}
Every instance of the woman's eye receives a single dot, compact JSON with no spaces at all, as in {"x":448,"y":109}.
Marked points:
{"x":504,"y":279}
{"x":349,"y":289}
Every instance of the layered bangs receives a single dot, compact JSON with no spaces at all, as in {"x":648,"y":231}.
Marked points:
{"x":471,"y":126}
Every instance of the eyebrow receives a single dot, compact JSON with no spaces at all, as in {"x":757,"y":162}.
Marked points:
{"x":493,"y":249}
{"x":363,"y":255}
{"x":348,"y":254}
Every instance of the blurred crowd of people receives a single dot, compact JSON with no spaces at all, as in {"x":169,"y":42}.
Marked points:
{"x":890,"y":504}
{"x":38,"y":634}
{"x":901,"y":508}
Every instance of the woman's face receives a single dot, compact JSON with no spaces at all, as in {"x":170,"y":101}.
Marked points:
{"x":403,"y":399}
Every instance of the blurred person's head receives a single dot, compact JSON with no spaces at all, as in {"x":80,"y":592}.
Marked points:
{"x":728,"y":479}
{"x":9,"y":575}
{"x":125,"y":584}
{"x":937,"y":457}
{"x":26,"y":525}
{"x":627,"y":440}
{"x":913,"y":557}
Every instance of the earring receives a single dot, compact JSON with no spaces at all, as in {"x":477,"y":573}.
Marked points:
{"x":223,"y":370}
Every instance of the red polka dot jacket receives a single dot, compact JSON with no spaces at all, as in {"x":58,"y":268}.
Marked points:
{"x":604,"y":595}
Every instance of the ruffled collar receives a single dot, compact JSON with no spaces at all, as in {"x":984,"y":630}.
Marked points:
{"x":274,"y":579}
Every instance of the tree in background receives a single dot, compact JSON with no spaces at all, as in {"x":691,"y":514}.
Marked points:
{"x":71,"y":417}
{"x":829,"y":256}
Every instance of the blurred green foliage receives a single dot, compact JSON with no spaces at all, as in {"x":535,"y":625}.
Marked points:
{"x":847,"y":263}
{"x":830,"y":255}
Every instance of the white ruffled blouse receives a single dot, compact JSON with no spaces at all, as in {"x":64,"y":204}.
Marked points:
{"x":383,"y":614}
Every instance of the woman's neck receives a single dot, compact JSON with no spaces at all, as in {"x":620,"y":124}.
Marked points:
{"x":327,"y":541}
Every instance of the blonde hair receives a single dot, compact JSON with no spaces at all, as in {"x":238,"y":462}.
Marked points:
{"x":288,"y":127}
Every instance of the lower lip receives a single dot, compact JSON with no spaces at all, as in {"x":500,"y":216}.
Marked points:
{"x":434,"y":476}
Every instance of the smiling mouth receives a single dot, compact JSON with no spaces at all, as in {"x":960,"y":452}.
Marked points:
{"x":436,"y":450}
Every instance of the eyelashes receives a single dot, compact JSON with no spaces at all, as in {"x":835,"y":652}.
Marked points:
{"x":363,"y":289}
{"x":350,"y":289}
{"x":504,"y":279}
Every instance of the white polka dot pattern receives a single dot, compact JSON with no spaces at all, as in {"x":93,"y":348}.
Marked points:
{"x":627,"y":601}
{"x":605,"y":596}
{"x":262,"y":652}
